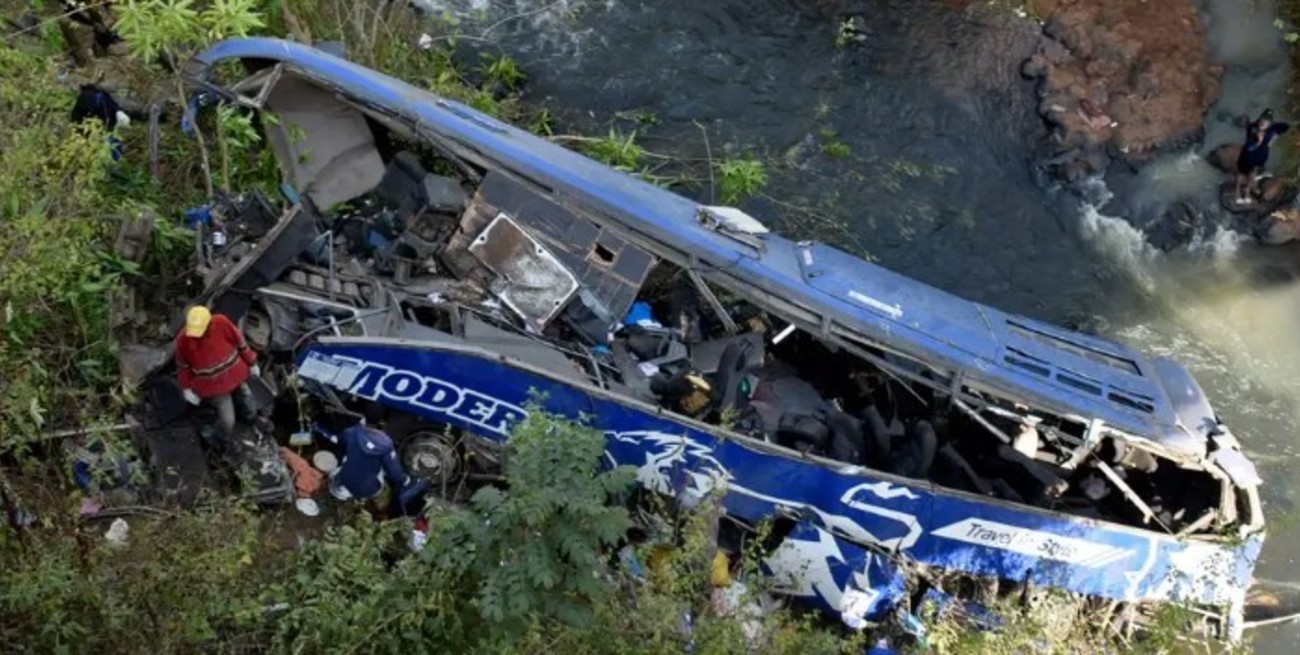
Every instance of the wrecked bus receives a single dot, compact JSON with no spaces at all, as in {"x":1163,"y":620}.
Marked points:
{"x":460,"y":271}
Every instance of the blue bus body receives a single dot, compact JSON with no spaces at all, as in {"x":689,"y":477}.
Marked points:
{"x":849,"y":515}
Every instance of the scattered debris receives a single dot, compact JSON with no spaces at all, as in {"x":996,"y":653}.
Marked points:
{"x":89,"y":507}
{"x":117,"y":533}
{"x":307,"y":481}
{"x":324,"y":461}
{"x":447,"y":281}
{"x":307,"y":507}
{"x":136,"y":361}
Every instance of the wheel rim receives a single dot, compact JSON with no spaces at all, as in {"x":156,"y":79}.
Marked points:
{"x":429,"y":456}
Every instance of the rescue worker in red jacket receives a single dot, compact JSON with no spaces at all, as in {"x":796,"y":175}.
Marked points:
{"x":213,"y":362}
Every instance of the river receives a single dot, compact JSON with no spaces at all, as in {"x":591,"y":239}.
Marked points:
{"x":938,"y":139}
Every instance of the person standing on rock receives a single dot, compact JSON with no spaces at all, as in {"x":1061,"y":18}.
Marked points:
{"x":213,"y":362}
{"x":1254,"y":154}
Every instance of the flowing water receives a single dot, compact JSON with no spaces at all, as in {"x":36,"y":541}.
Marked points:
{"x":939,"y":180}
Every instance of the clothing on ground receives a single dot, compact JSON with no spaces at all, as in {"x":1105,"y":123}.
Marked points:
{"x":215,"y":363}
{"x":94,"y":102}
{"x":369,"y":461}
{"x":306,"y":479}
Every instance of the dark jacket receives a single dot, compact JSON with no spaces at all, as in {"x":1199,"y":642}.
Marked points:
{"x":1254,"y":154}
{"x":369,"y":459}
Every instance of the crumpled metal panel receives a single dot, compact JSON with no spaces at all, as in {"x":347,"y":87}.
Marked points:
{"x":472,"y":389}
{"x":532,"y":282}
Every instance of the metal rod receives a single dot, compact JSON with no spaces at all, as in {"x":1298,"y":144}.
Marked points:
{"x":1200,"y":524}
{"x":1147,"y":513}
{"x":981,"y":420}
{"x":1091,"y":439}
{"x":595,"y":369}
{"x":329,"y":244}
{"x":783,"y":334}
{"x":727,"y":323}
{"x":359,"y":315}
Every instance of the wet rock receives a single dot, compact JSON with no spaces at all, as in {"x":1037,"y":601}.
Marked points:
{"x":1274,"y":190}
{"x":1177,"y":227}
{"x":1075,"y":171}
{"x":1075,"y":165}
{"x":1124,"y":76}
{"x":1224,"y":157}
{"x":1281,"y":226}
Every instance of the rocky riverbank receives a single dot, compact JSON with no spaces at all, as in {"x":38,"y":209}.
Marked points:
{"x":1115,"y":79}
{"x":1121,"y":77}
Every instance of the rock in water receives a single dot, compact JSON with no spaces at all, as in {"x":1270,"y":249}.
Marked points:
{"x":1281,"y":226}
{"x":1273,"y":189}
{"x":1131,"y":77}
{"x":1224,"y":157}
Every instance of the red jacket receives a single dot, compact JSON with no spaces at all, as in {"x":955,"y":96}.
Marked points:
{"x":215,"y":363}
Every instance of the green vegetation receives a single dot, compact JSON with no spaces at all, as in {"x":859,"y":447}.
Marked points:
{"x":174,"y":28}
{"x":541,"y":123}
{"x":617,"y":150}
{"x":57,"y":273}
{"x":832,"y":146}
{"x":848,"y":34}
{"x":185,"y":583}
{"x":515,"y":562}
{"x":740,"y":178}
{"x":502,"y":70}
{"x":523,"y":568}
{"x":1288,"y":11}
{"x":528,"y":566}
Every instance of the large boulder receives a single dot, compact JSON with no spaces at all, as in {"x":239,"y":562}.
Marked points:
{"x":1122,"y":75}
{"x":1274,"y":189}
{"x":1281,"y":226}
{"x":1224,"y":157}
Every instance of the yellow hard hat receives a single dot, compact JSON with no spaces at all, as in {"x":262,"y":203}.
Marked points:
{"x":196,"y":321}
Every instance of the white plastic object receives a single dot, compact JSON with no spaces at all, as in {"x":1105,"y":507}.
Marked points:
{"x":325,"y":461}
{"x":117,"y":532}
{"x":307,"y":506}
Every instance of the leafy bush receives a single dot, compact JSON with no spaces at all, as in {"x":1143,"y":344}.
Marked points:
{"x":56,"y":275}
{"x":515,"y":557}
{"x":616,"y":149}
{"x":740,"y":178}
{"x":186,"y":583}
{"x":175,"y":27}
{"x":502,"y":70}
{"x":832,"y":146}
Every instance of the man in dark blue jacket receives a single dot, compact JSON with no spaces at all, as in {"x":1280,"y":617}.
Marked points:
{"x":369,"y":462}
{"x":1254,"y":153}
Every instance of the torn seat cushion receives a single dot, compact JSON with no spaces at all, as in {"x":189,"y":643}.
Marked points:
{"x":914,"y":456}
{"x":803,"y":432}
{"x":726,"y":387}
{"x":846,"y":443}
{"x":408,"y":188}
{"x":326,"y":146}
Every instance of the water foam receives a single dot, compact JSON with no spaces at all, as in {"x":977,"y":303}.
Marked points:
{"x":1206,"y":312}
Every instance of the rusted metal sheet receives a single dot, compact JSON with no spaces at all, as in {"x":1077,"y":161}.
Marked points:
{"x":532,"y":282}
